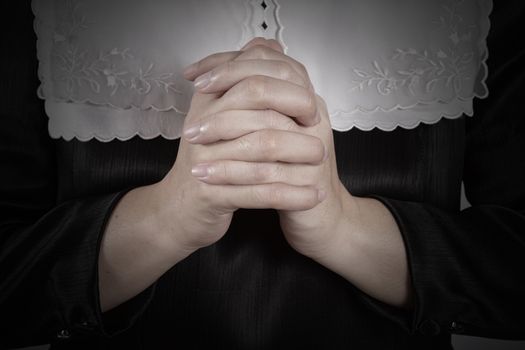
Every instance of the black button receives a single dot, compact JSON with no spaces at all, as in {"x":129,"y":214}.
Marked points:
{"x":63,"y":334}
{"x":86,"y":324}
{"x":429,"y":327}
{"x":456,"y":327}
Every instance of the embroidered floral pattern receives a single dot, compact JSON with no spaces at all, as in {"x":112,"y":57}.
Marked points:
{"x":426,"y":69}
{"x":118,"y":72}
{"x":113,"y":69}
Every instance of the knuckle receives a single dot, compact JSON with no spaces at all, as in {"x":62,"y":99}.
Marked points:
{"x":274,"y":120}
{"x":275,"y":195}
{"x":271,"y":118}
{"x":265,"y":117}
{"x":303,"y":70}
{"x":255,"y":87}
{"x":284,"y":71}
{"x":289,"y":124}
{"x":212,"y":125}
{"x":244,"y":144}
{"x":228,"y":68}
{"x":261,"y":173}
{"x":267,"y":143}
{"x":260,"y":51}
{"x":272,"y":195}
{"x":258,"y":194}
{"x":278,"y":172}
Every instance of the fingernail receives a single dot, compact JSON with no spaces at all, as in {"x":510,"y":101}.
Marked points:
{"x":189,"y":69}
{"x":192,"y":132}
{"x":321,"y":195}
{"x":203,"y":81}
{"x":200,"y":171}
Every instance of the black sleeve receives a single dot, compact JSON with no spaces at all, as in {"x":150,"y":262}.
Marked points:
{"x":468,"y":267}
{"x":48,"y":250}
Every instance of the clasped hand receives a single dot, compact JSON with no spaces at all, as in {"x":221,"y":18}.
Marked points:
{"x":256,"y":136}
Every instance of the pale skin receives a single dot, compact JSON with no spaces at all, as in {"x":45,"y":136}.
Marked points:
{"x":256,"y":136}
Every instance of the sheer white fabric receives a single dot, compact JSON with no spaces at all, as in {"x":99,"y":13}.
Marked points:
{"x":112,"y":68}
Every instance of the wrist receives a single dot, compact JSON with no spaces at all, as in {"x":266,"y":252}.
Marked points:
{"x":334,"y":223}
{"x":165,"y":221}
{"x":141,"y":221}
{"x":134,"y":251}
{"x":368,"y":251}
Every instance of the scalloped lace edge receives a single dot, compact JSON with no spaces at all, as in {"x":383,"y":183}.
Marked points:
{"x":84,"y":122}
{"x":365,"y":125}
{"x":68,"y":136}
{"x":405,"y":124}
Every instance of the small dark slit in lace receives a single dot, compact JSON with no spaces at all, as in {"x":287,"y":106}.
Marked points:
{"x":264,"y":25}
{"x":263,"y":5}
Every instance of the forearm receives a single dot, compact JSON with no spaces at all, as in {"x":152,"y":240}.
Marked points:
{"x":136,"y":248}
{"x":368,"y":250}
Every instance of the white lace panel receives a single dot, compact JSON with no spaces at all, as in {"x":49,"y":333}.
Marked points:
{"x":112,"y":68}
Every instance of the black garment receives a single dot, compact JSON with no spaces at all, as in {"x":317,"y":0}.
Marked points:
{"x":250,"y":289}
